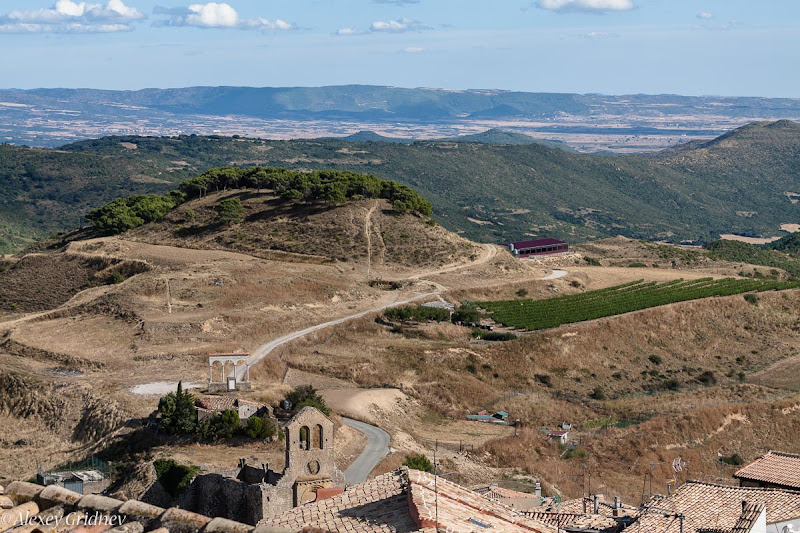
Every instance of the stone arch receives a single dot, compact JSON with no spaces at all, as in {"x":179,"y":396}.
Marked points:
{"x":227,"y":373}
{"x":305,"y":438}
{"x":317,"y":437}
{"x":217,"y":369}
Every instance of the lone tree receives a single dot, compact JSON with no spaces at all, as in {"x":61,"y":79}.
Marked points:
{"x":218,"y":427}
{"x":231,"y":210}
{"x":178,"y":416}
{"x":419,"y":462}
{"x":306,"y":396}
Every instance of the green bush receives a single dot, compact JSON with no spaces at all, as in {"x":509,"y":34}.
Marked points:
{"x":592,"y":261}
{"x":751,"y":298}
{"x":306,"y":396}
{"x":230,"y":210}
{"x":417,"y":313}
{"x":219,"y":427}
{"x":173,"y":476}
{"x":419,"y":462}
{"x":467,"y":312}
{"x":261,"y":427}
{"x":123,"y":214}
{"x":492,"y":335}
{"x":655,"y":358}
{"x":733,"y":460}
{"x":177,"y":412}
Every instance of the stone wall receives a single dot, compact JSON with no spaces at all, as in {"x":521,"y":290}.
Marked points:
{"x":215,"y":495}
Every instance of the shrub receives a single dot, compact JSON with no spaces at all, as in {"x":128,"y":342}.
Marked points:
{"x":544,"y":379}
{"x":178,"y":416}
{"x":230,"y":210}
{"x":419,"y":462}
{"x":751,"y":298}
{"x":261,"y":427}
{"x":417,"y":313}
{"x":592,"y":261}
{"x":173,"y":476}
{"x":493,"y":335}
{"x":306,"y":396}
{"x":733,"y":459}
{"x":522,"y":293}
{"x":467,"y":312}
{"x":598,"y":393}
{"x":707,"y":378}
{"x":219,"y":427}
{"x":116,"y":277}
{"x":655,"y":358}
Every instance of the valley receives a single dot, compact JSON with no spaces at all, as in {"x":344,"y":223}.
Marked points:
{"x":306,"y":303}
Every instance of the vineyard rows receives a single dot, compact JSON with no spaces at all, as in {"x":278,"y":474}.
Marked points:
{"x":633,"y":296}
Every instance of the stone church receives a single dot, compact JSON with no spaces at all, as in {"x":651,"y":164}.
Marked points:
{"x":250,"y":493}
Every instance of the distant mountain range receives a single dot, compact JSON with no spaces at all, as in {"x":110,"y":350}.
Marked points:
{"x":50,"y":117}
{"x":745,"y":182}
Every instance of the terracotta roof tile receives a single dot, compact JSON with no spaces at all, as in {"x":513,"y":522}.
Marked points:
{"x":708,"y":507}
{"x":436,"y":501}
{"x":776,"y":468}
{"x":750,"y":515}
{"x":377,"y":505}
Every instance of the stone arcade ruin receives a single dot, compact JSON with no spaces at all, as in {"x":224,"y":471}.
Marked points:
{"x":250,"y":493}
{"x":233,"y":372}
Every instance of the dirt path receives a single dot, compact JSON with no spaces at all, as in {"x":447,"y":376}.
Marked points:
{"x":367,"y":231}
{"x":556,"y":274}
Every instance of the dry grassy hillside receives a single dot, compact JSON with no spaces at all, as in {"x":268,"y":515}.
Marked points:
{"x":357,"y":232}
{"x":690,"y":379}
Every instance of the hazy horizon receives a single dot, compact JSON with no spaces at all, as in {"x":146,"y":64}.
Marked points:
{"x":613,"y":47}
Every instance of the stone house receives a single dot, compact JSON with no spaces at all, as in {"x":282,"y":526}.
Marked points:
{"x":208,"y":406}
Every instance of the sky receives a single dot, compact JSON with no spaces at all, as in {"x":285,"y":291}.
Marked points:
{"x":691,"y":47}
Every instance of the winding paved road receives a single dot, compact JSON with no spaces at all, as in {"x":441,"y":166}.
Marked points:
{"x":377,"y":448}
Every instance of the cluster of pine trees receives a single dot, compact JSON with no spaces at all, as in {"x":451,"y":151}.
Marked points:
{"x":333,"y":187}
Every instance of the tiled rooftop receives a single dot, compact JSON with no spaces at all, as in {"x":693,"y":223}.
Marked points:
{"x":377,"y":505}
{"x":221,"y":403}
{"x":714,"y":507}
{"x":405,"y":501}
{"x":460,"y":510}
{"x":750,"y":514}
{"x":776,"y":468}
{"x":54,"y":509}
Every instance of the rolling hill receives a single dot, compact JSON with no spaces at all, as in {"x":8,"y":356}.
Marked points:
{"x":745,"y":182}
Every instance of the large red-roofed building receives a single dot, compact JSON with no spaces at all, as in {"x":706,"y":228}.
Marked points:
{"x":538,"y":247}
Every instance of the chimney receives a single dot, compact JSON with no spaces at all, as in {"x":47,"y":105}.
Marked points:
{"x":265,"y":466}
{"x":617,"y":506}
{"x":596,"y":503}
{"x":538,"y":489}
{"x":744,"y":505}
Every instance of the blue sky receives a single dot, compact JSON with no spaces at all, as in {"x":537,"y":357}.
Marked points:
{"x":698,"y":47}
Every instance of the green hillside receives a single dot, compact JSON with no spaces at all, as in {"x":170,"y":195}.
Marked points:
{"x":743,"y":182}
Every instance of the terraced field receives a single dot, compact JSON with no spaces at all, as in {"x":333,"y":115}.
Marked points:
{"x":633,"y":296}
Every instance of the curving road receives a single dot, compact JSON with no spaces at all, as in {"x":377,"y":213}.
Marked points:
{"x":377,"y":448}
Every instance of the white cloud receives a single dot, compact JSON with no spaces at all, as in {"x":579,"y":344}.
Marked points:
{"x":704,"y":15}
{"x":67,"y":16}
{"x":349,"y":31}
{"x":413,"y":50}
{"x":398,"y":26}
{"x":596,"y":6}
{"x":217,"y":15}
